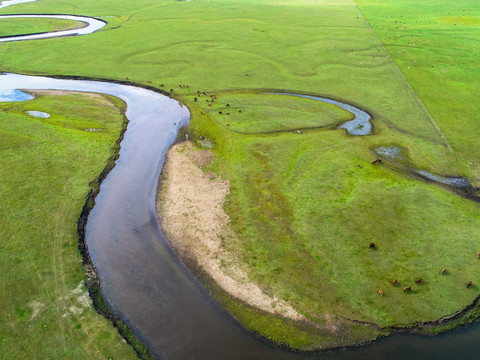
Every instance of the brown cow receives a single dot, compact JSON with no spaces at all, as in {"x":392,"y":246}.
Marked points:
{"x":408,"y":288}
{"x":419,"y":280}
{"x":469,"y":284}
{"x":444,"y":271}
{"x":371,"y":245}
{"x":380,"y":292}
{"x":394,"y":282}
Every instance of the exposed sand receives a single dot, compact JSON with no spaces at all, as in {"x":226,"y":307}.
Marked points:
{"x":104,"y":99}
{"x":191,"y":213}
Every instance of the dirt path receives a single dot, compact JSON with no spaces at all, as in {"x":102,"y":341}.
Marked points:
{"x":190,"y":203}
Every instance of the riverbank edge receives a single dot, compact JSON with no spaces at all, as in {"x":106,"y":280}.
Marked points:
{"x":460,"y":318}
{"x":84,"y":25}
{"x":92,"y":282}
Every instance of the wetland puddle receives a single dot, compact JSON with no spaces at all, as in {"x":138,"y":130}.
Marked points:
{"x":38,"y":114}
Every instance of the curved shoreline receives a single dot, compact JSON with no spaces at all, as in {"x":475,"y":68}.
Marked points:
{"x":400,"y":330}
{"x":445,"y":323}
{"x":99,"y":183}
{"x":93,"y":25}
{"x":93,"y":282}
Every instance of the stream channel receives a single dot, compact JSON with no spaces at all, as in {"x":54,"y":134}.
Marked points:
{"x":142,"y":279}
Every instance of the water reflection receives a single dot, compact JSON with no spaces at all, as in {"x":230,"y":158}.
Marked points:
{"x":38,"y":114}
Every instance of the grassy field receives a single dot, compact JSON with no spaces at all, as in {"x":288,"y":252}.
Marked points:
{"x":46,"y":166}
{"x":303,"y":210}
{"x":436,"y":48}
{"x":21,"y":26}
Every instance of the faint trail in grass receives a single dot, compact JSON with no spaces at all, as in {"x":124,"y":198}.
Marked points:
{"x":402,"y":76}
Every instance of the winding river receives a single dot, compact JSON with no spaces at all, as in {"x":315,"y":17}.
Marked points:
{"x":145,"y":283}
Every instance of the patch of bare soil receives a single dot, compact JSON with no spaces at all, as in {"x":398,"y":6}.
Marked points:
{"x":103,"y":99}
{"x":190,"y":209}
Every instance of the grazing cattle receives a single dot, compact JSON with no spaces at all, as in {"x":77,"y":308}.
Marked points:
{"x":419,"y":280}
{"x":220,"y":112}
{"x":478,"y":255}
{"x":444,"y":271}
{"x":149,"y":81}
{"x":376,"y":161}
{"x":371,"y":245}
{"x":126,"y":78}
{"x":161,"y":85}
{"x":206,"y":100}
{"x":227,"y":124}
{"x":394,"y":282}
{"x":239,"y":111}
{"x":202,"y":137}
{"x":171,"y":90}
{"x":228,"y":105}
{"x":228,"y":114}
{"x":195,"y":99}
{"x":380,"y":292}
{"x":210,"y":105}
{"x":469,"y":284}
{"x":408,"y":288}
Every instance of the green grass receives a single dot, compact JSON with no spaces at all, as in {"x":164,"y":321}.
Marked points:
{"x":436,"y":48}
{"x":45,"y":168}
{"x":265,"y":113}
{"x":305,"y":214}
{"x":21,"y":26}
{"x":303,"y":211}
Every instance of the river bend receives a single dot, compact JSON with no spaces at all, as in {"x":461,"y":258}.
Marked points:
{"x":145,"y":283}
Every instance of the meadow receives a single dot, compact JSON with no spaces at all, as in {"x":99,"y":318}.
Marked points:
{"x":46,"y":167}
{"x":305,"y":206}
{"x":11,"y":27}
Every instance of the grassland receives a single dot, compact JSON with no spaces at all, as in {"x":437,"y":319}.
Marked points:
{"x":302,"y":209}
{"x":21,"y":26}
{"x":436,"y":48}
{"x":46,"y":166}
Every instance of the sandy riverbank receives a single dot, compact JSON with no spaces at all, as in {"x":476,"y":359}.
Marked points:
{"x":191,"y":214}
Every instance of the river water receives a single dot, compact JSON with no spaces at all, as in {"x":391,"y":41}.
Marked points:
{"x":142,"y":279}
